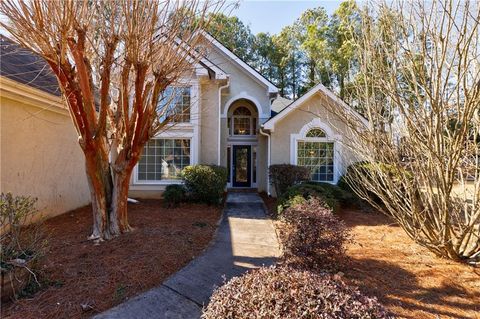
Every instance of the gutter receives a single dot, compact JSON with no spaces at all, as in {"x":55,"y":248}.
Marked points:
{"x":268,"y":158}
{"x":220,"y":118}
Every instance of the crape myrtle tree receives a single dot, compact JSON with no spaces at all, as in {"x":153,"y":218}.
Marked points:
{"x":420,"y":91}
{"x":113,"y":61}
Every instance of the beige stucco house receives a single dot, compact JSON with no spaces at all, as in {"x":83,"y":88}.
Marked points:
{"x":230,"y":116}
{"x":39,"y":152}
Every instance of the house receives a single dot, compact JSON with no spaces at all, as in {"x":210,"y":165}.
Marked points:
{"x":230,"y":115}
{"x":39,"y":152}
{"x":236,"y":119}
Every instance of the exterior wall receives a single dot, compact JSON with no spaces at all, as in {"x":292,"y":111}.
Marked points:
{"x":310,"y":112}
{"x":241,"y":85}
{"x":40,"y":155}
{"x":209,"y":123}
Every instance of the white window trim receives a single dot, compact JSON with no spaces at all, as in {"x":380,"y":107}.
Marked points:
{"x":136,"y":181}
{"x":331,"y":138}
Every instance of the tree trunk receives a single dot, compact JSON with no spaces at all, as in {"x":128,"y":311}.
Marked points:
{"x":100,"y":184}
{"x":119,"y":217}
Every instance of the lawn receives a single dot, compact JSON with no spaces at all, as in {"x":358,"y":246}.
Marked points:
{"x":406,"y":278}
{"x":80,"y":279}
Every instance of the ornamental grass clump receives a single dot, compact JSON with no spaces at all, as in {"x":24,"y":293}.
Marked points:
{"x":313,"y":237}
{"x":287,"y":293}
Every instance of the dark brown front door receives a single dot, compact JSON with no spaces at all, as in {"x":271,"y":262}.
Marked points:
{"x":242,"y":165}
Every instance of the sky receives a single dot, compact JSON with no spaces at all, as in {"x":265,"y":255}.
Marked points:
{"x":272,"y":15}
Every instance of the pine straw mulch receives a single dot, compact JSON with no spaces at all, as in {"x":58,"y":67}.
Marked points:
{"x":407,"y":278}
{"x":74,"y":272}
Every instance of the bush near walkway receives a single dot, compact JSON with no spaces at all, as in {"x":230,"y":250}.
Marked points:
{"x":313,"y":237}
{"x":205,"y":183}
{"x":283,"y":176}
{"x":283,"y":292}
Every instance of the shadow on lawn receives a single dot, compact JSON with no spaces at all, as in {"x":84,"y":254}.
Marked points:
{"x":395,"y":286}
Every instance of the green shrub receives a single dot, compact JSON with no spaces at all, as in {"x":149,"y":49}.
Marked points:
{"x":283,"y":176}
{"x":361,"y":174}
{"x":312,"y":237}
{"x":174,"y":195}
{"x":205,"y":183}
{"x":283,"y":292}
{"x":332,"y":195}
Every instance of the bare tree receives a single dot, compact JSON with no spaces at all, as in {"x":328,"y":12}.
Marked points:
{"x":113,"y":60}
{"x":419,"y":88}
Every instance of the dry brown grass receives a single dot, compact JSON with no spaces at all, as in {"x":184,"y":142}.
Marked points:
{"x":76,"y":272}
{"x":407,"y":278}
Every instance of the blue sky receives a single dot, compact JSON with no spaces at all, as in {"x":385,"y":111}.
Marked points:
{"x":272,"y":16}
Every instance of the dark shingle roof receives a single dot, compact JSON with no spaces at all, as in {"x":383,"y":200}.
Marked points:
{"x":22,"y":65}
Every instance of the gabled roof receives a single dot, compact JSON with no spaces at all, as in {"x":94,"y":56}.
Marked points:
{"x":234,"y":58}
{"x":270,"y":123}
{"x":23,"y":66}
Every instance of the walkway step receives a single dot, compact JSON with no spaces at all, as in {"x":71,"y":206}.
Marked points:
{"x":245,"y":239}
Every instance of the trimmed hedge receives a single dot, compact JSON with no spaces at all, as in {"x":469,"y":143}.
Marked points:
{"x":283,"y":292}
{"x":333,"y":196}
{"x":283,"y":176}
{"x":205,"y":183}
{"x":174,"y":195}
{"x":312,"y":237}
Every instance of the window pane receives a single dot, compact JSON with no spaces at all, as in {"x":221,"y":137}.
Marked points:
{"x":318,"y":157}
{"x":241,"y":126}
{"x":175,"y":104}
{"x":316,"y":132}
{"x":163,"y":159}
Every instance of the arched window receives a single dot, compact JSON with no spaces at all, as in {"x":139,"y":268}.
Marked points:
{"x":317,"y":152}
{"x":316,"y":132}
{"x":242,"y":122}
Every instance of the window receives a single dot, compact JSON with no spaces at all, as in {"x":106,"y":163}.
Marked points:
{"x":318,"y":157}
{"x":316,"y":152}
{"x":177,"y":99}
{"x":242,"y":122}
{"x":163,"y":159}
{"x":316,"y":132}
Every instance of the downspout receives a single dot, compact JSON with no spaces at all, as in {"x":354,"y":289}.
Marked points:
{"x":268,"y":158}
{"x":220,"y":118}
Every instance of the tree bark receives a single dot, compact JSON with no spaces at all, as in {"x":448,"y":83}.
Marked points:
{"x":100,"y":184}
{"x":121,"y":183}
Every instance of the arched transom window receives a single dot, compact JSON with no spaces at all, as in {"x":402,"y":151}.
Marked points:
{"x":316,"y":152}
{"x":242,"y":122}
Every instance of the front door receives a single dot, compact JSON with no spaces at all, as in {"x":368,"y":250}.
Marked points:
{"x":242,"y":165}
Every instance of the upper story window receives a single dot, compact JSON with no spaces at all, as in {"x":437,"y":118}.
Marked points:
{"x":178,"y":101}
{"x":242,"y":122}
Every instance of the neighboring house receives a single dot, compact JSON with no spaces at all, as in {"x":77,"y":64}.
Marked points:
{"x":39,"y":152}
{"x":227,"y":114}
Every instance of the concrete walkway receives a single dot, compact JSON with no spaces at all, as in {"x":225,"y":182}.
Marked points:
{"x":245,"y":239}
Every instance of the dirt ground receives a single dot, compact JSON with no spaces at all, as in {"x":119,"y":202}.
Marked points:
{"x":74,"y":272}
{"x":406,"y":278}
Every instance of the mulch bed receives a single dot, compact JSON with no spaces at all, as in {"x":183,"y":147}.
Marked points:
{"x":407,"y":278}
{"x":75,"y":272}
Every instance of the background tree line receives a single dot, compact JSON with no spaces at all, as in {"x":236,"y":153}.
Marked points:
{"x":315,"y":48}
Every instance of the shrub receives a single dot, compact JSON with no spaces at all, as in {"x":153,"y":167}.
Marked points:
{"x":282,"y":292}
{"x":363,"y":174}
{"x":333,"y":196}
{"x":174,"y":195}
{"x":284,"y":176}
{"x":312,"y":237}
{"x":21,"y":245}
{"x":205,"y":183}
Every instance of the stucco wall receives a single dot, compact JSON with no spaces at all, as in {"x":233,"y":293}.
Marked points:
{"x":40,"y":155}
{"x":209,"y":123}
{"x":311,"y":109}
{"x":241,"y":85}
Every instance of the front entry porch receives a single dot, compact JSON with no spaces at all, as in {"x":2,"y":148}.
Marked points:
{"x":241,"y":165}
